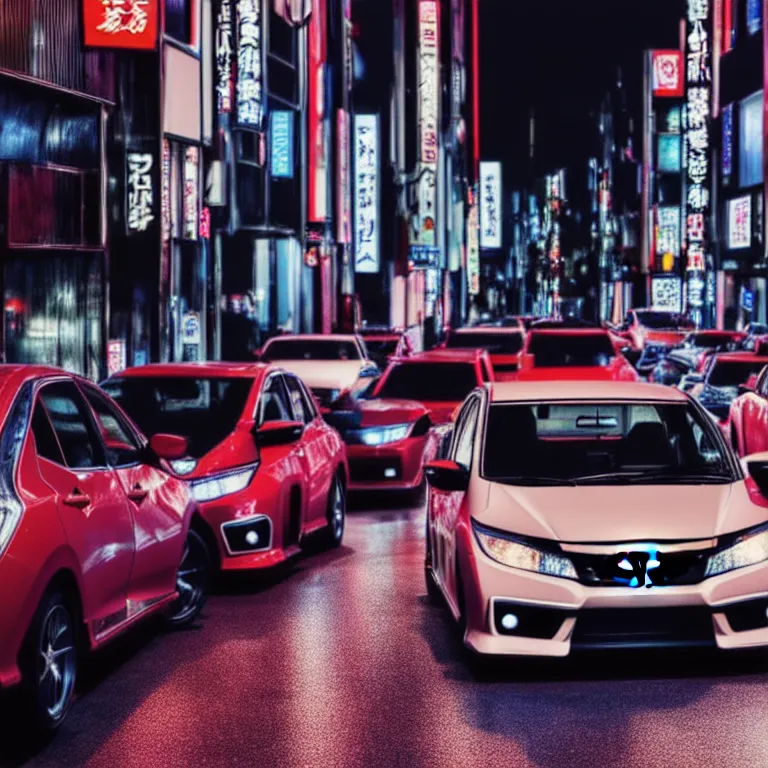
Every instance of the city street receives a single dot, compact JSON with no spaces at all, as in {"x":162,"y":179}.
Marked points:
{"x":340,"y":661}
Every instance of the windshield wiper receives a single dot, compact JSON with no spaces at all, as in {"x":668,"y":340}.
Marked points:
{"x":693,"y":478}
{"x":525,"y":480}
{"x":607,"y":477}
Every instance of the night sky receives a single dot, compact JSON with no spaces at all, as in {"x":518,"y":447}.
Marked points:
{"x":558,"y":56}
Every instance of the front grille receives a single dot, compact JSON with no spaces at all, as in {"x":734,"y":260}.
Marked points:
{"x":643,"y":627}
{"x":751,"y":614}
{"x":375,"y":470}
{"x":236,"y":535}
{"x":674,"y":569}
{"x":529,"y":620}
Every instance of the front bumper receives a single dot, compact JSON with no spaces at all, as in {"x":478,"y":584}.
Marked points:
{"x":397,"y":466}
{"x":554,"y":616}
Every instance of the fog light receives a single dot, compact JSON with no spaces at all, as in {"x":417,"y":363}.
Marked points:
{"x":509,"y":621}
{"x":252,"y":538}
{"x":390,"y":472}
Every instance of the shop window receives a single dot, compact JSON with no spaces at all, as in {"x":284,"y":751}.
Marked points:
{"x":178,"y":20}
{"x":282,"y":39}
{"x":751,"y":140}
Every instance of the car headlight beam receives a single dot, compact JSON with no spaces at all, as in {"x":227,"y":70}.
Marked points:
{"x":750,"y":549}
{"x":515,"y":554}
{"x":383,"y":435}
{"x":224,"y":484}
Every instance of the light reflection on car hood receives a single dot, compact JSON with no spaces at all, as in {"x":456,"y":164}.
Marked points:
{"x":324,"y":374}
{"x":621,"y":512}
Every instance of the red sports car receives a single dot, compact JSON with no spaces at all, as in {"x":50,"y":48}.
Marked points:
{"x":504,"y":346}
{"x":265,"y":468}
{"x":95,"y":533}
{"x":577,"y":354}
{"x":390,"y":435}
{"x":748,"y":421}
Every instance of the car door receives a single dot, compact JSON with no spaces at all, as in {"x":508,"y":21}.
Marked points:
{"x":93,"y":510}
{"x":313,"y":453}
{"x":283,"y":463}
{"x":156,"y":500}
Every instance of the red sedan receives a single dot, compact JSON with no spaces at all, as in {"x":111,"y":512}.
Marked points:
{"x":504,"y":346}
{"x":390,"y":435}
{"x":265,"y":468}
{"x":574,"y":354}
{"x":95,"y":534}
{"x":749,"y":416}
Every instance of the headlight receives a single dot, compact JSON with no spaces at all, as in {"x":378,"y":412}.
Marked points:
{"x":375,"y":436}
{"x":508,"y":551}
{"x":183,"y":466}
{"x":750,"y":549}
{"x":216,"y":486}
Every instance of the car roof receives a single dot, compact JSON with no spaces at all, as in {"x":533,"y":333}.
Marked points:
{"x":314,"y":337}
{"x":209,"y":369}
{"x":568,"y":331}
{"x":522,"y":391}
{"x":445,"y":356}
{"x":716,"y":332}
{"x":741,"y":357}
{"x":489,"y":330}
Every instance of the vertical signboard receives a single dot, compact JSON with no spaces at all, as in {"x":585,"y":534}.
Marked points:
{"x":697,"y":141}
{"x":191,"y":192}
{"x":343,"y":201}
{"x":140,"y":197}
{"x":250,"y":99}
{"x":224,"y":46}
{"x":281,"y":144}
{"x":667,"y":70}
{"x":490,"y":205}
{"x":429,"y":105}
{"x":366,"y":159}
{"x":473,"y":248}
{"x":317,"y":150}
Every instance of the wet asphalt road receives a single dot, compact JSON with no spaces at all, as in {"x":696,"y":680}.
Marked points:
{"x":340,"y":661}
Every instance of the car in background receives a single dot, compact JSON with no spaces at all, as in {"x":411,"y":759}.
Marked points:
{"x":96,"y":534}
{"x":265,"y":469}
{"x":748,"y":418}
{"x":717,"y":386}
{"x":504,"y":346}
{"x":671,"y":370}
{"x":563,"y":352}
{"x":653,"y":333}
{"x":384,"y":345}
{"x":328,"y":364}
{"x":390,"y":434}
{"x":617,"y":517}
{"x":517,"y":321}
{"x":699,"y":344}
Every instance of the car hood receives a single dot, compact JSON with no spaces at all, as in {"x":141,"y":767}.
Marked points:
{"x":615,"y":372}
{"x":441,"y":413}
{"x":667,"y":337}
{"x":379,"y":413}
{"x":324,"y":374}
{"x":596,"y":514}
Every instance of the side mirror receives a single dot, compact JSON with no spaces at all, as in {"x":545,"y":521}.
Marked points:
{"x":757,"y":466}
{"x":273,"y":433}
{"x":169,"y":447}
{"x":447,"y":476}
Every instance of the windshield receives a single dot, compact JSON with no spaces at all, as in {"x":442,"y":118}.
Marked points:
{"x":381,"y":348}
{"x":708,"y":340}
{"x":429,"y":382}
{"x":310,"y":349}
{"x":564,"y":350}
{"x":204,"y":410}
{"x":601,"y":443}
{"x":732,"y":374}
{"x":495,"y":343}
{"x":659,"y":320}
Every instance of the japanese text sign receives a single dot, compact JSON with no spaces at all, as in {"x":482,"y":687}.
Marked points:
{"x":281,"y":144}
{"x":129,"y":24}
{"x":224,"y":48}
{"x":250,"y":101}
{"x":140,"y":197}
{"x":366,"y":157}
{"x":668,"y":74}
{"x":490,"y":205}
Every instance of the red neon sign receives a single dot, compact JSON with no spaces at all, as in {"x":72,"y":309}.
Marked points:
{"x":131,"y":24}
{"x":668,"y":73}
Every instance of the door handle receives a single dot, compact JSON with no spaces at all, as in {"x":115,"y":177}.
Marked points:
{"x":77,"y":500}
{"x":138,"y":494}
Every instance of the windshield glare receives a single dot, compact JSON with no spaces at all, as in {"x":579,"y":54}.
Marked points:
{"x":495,"y":343}
{"x":568,"y":441}
{"x":315,"y":349}
{"x":204,"y":410}
{"x":556,"y":350}
{"x":733,"y":374}
{"x":429,"y":382}
{"x":659,"y":320}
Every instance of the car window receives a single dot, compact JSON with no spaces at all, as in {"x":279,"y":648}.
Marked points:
{"x":429,"y":382}
{"x":71,"y":423}
{"x":465,"y":437}
{"x":309,"y":402}
{"x":486,"y":374}
{"x":122,"y":446}
{"x":275,"y":403}
{"x":46,"y":443}
{"x":302,"y":409}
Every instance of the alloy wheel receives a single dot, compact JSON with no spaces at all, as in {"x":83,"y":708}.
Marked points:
{"x":191,"y":581}
{"x":56,"y":663}
{"x":336,"y":513}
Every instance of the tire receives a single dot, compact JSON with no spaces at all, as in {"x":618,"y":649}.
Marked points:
{"x":49,"y":664}
{"x":434,"y":596}
{"x":192,"y":581}
{"x":336,"y":514}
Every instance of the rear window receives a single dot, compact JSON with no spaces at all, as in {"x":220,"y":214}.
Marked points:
{"x":495,"y":343}
{"x":429,"y":382}
{"x":204,"y":410}
{"x":709,"y":340}
{"x":732,"y":374}
{"x":563,"y":350}
{"x":315,"y":349}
